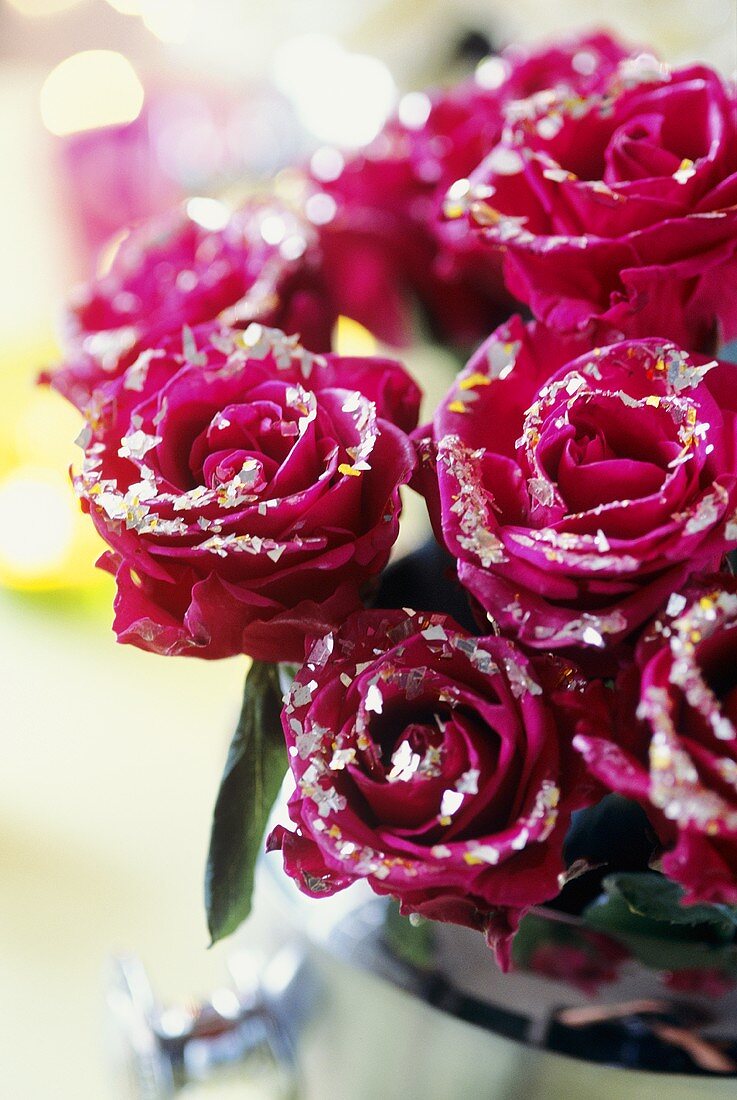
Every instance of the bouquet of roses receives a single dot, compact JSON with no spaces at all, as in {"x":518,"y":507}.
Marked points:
{"x":581,"y":473}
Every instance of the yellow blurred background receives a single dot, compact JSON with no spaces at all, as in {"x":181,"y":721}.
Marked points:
{"x":111,"y":757}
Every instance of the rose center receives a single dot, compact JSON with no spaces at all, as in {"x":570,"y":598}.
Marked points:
{"x":418,"y":750}
{"x":598,"y":452}
{"x":418,"y":754}
{"x":243,"y":443}
{"x":252,"y":471}
{"x":424,"y":766}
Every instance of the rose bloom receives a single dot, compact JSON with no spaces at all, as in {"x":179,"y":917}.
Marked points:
{"x":436,"y":766}
{"x":576,"y":503}
{"x":684,"y":770}
{"x":619,"y":206}
{"x":380,"y":209}
{"x":196,"y":264}
{"x":248,"y":488}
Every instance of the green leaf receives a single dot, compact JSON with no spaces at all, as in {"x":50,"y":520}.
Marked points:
{"x":643,"y":911}
{"x":254,"y":771}
{"x":654,"y":945}
{"x":651,"y":895}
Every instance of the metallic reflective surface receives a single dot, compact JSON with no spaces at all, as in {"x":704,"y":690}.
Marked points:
{"x":625,"y":1015}
{"x":161,"y":1051}
{"x":356,"y":1003}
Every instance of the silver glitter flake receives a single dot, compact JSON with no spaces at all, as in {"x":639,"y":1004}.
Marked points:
{"x":472,"y":504}
{"x":137,"y":444}
{"x":260,"y":341}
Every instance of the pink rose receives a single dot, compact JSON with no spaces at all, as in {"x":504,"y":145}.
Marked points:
{"x":249,"y":489}
{"x":577,"y":501}
{"x":621,"y":205}
{"x":684,"y":771}
{"x":385,"y":237}
{"x":259,"y":264}
{"x":436,"y":766}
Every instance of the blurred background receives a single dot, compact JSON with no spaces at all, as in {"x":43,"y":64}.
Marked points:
{"x":110,"y":111}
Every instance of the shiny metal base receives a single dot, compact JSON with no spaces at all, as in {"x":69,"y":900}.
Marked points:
{"x":356,"y":1004}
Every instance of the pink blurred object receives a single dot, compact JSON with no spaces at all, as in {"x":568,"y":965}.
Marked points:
{"x":111,"y":178}
{"x":186,"y":140}
{"x":198,"y":262}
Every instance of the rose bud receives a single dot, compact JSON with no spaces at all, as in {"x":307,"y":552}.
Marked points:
{"x":198,"y":263}
{"x":436,"y":766}
{"x":248,"y":488}
{"x":576,"y":503}
{"x":685,"y":772}
{"x":619,"y":206}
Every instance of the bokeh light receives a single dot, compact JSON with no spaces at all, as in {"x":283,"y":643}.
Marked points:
{"x":38,"y":8}
{"x":171,"y":21}
{"x":340,"y":97}
{"x":88,"y":90}
{"x":46,"y":543}
{"x":37,"y":526}
{"x":209,"y":213}
{"x":126,"y":7}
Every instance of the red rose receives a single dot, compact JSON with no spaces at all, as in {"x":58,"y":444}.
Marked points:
{"x":248,"y":489}
{"x":380,"y":209}
{"x":435,"y":765}
{"x":577,"y":503}
{"x":259,"y":264}
{"x":685,"y":770}
{"x":706,"y":983}
{"x":621,"y":205}
{"x":580,"y":956}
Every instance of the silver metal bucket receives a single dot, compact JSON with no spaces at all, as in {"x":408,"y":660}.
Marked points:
{"x":355,"y":1004}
